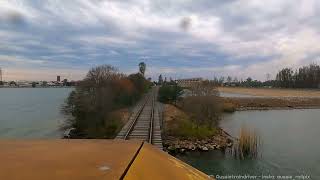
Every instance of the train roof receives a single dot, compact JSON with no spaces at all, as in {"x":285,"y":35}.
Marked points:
{"x":89,"y":159}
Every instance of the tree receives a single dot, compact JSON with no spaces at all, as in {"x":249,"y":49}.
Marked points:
{"x":304,"y":77}
{"x":160,"y":80}
{"x":229,"y":79}
{"x":44,"y":83}
{"x":140,"y":84}
{"x":91,"y":106}
{"x":12,"y":83}
{"x":170,"y":93}
{"x":268,"y":76}
{"x":142,"y":68}
{"x":65,"y":82}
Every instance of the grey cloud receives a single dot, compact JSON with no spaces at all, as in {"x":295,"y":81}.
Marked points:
{"x":199,"y":32}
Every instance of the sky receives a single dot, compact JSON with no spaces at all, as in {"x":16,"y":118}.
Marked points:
{"x":180,"y":38}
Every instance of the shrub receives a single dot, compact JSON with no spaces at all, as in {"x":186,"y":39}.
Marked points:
{"x":204,"y":106}
{"x":186,"y":128}
{"x":229,"y":107}
{"x":204,"y":110}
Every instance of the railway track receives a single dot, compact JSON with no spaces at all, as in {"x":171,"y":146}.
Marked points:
{"x":144,"y":123}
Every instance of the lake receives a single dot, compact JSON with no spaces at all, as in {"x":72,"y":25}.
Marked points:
{"x":31,"y":112}
{"x":290,"y":144}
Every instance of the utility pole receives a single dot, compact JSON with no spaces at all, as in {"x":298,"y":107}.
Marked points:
{"x":0,"y":74}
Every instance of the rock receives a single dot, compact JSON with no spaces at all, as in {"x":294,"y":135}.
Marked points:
{"x":218,"y":146}
{"x":229,"y":144}
{"x":182,"y":150}
{"x":204,"y":148}
{"x":171,"y":148}
{"x":190,"y":147}
{"x":212,"y":147}
{"x":199,"y":146}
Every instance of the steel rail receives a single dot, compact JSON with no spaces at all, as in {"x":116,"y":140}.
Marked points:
{"x":151,"y":120}
{"x":135,"y":119}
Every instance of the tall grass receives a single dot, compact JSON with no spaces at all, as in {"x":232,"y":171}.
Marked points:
{"x":248,"y":144}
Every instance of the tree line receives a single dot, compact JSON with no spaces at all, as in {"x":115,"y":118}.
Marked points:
{"x":304,"y":77}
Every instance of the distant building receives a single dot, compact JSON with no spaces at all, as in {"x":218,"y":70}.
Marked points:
{"x":188,"y":82}
{"x":58,"y":78}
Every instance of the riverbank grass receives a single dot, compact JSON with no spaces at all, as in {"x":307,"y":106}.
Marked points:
{"x":247,"y":145}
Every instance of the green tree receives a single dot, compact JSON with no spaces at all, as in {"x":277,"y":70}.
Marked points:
{"x":160,"y":80}
{"x":142,"y":68}
{"x":170,"y":93}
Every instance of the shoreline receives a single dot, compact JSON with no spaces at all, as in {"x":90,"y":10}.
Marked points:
{"x":275,"y":108}
{"x":30,"y":87}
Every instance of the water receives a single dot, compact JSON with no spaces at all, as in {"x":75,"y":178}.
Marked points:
{"x":31,"y":112}
{"x":290,"y":145}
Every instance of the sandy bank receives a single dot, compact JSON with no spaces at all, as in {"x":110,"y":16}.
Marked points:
{"x":272,"y":92}
{"x":273,"y":103}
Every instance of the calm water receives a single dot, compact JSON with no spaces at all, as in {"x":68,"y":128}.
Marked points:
{"x":291,"y":144}
{"x":31,"y":112}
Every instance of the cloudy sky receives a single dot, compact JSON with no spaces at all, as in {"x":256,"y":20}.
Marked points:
{"x":179,"y":38}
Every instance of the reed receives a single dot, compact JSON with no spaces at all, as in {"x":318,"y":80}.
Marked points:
{"x":248,"y":144}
